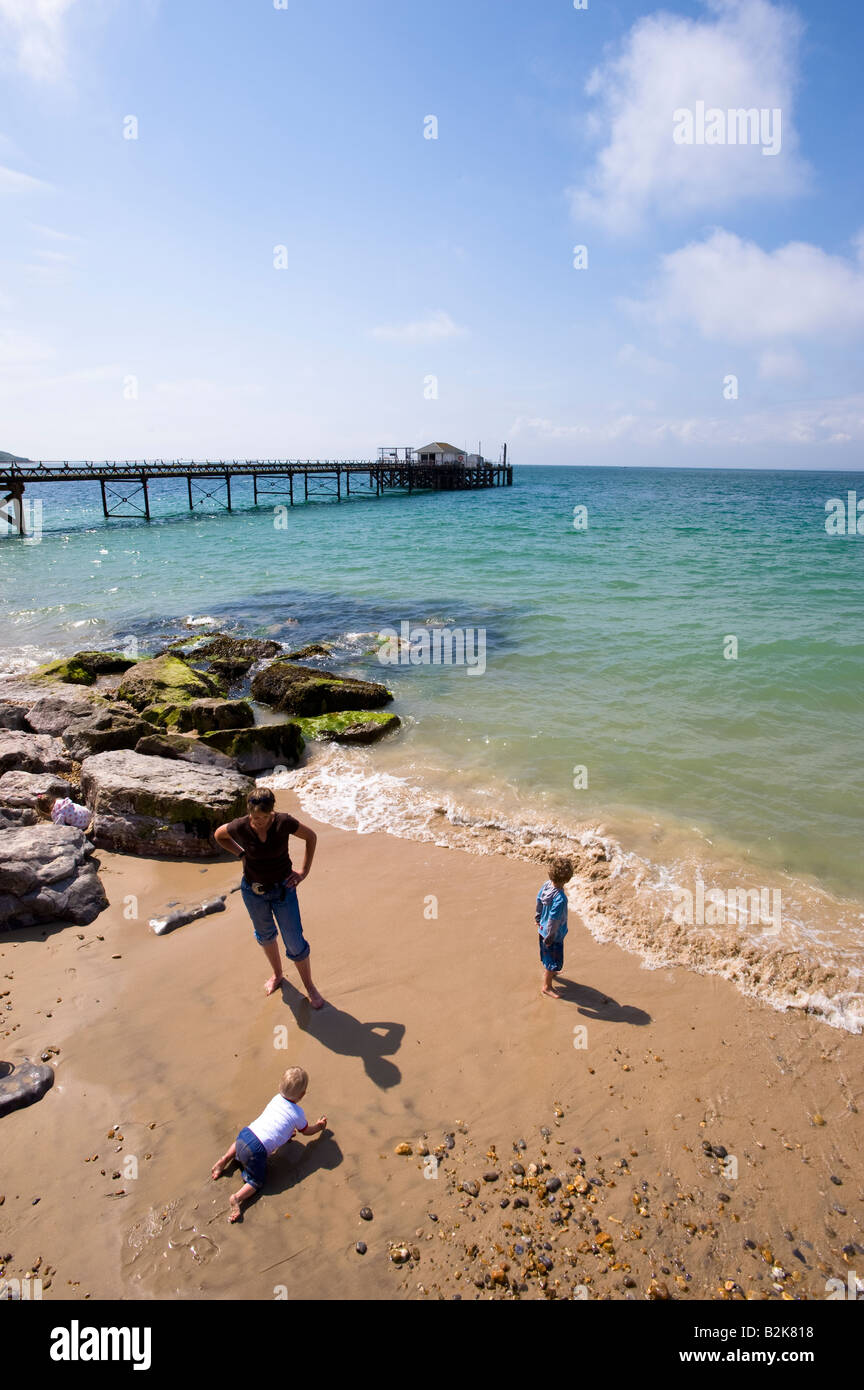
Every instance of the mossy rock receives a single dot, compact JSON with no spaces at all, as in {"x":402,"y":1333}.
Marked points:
{"x":201,"y":716}
{"x":302,"y":690}
{"x":253,"y":750}
{"x":83,"y":667}
{"x":350,"y":726}
{"x":313,"y":649}
{"x":165,"y":680}
{"x":105,"y":663}
{"x":67,"y":670}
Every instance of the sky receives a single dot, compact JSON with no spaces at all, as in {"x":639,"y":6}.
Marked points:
{"x":267,"y":228}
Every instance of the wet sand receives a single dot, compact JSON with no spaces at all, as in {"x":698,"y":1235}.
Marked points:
{"x":434,"y":1026}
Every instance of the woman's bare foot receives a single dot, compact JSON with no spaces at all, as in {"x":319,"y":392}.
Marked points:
{"x":273,"y":984}
{"x":219,"y":1168}
{"x":236,"y":1209}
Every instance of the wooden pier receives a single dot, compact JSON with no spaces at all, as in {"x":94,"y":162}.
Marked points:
{"x":125,"y":485}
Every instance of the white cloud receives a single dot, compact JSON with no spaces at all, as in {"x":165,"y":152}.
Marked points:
{"x":432,"y":329}
{"x":835,"y":422}
{"x":11,"y":181}
{"x":630,"y":356}
{"x":38,"y":30}
{"x":745,"y":56}
{"x":733,"y":291}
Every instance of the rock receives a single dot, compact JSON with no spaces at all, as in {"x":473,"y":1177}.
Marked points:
{"x":239,"y":651}
{"x":47,"y":875}
{"x":164,"y":680}
{"x":83,"y":667}
{"x":302,"y":690}
{"x":310,"y":650}
{"x":553,"y":1184}
{"x":399,"y":1254}
{"x":254,"y":750}
{"x":12,"y":716}
{"x":228,"y":672}
{"x":181,"y":917}
{"x":23,"y":788}
{"x":23,"y":1085}
{"x":202,"y":716}
{"x":160,"y":806}
{"x":350,"y":726}
{"x":491,"y":1176}
{"x":365,"y":1213}
{"x":21,"y":752}
{"x":471,"y":1187}
{"x":188,"y":750}
{"x":105,"y":732}
{"x":54,"y":714}
{"x":403,"y":1149}
{"x":361,"y":1247}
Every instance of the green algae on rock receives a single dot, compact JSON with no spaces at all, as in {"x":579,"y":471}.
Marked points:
{"x":164,"y":680}
{"x":301,"y":690}
{"x":83,"y":667}
{"x":202,"y":716}
{"x":350,"y":726}
{"x":256,"y":749}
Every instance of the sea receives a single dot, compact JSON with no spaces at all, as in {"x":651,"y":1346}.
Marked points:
{"x":664,"y":662}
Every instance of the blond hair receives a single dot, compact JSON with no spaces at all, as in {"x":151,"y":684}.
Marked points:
{"x":560,"y":870}
{"x":293,"y":1084}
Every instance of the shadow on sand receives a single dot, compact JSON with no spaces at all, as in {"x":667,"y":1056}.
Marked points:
{"x":594,"y":1004}
{"x":345,"y":1034}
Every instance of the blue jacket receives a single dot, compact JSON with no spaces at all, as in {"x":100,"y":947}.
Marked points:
{"x":551,"y":915}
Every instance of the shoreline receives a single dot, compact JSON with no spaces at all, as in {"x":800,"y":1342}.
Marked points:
{"x":175,"y":1033}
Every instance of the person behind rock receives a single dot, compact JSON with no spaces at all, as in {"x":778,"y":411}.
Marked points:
{"x":63,"y":811}
{"x":277,"y":1123}
{"x":269,"y":883}
{"x":551,"y":920}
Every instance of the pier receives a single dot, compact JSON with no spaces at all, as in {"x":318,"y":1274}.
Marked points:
{"x":125,"y":485}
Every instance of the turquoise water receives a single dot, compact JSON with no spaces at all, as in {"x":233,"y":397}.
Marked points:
{"x":604,"y":646}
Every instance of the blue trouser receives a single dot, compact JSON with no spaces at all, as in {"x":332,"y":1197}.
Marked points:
{"x":276,"y":907}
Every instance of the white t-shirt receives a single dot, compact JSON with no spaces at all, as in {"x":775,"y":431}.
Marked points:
{"x":277,"y":1123}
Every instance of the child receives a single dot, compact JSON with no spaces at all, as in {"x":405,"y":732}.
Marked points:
{"x":281,"y":1119}
{"x":63,"y":811}
{"x":551,"y":919}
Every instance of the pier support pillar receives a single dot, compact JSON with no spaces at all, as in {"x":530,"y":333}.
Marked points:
{"x":146,"y":496}
{"x":104,"y":498}
{"x":228,"y":489}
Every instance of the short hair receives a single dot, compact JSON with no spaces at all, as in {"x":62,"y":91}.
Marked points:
{"x":262,"y":799}
{"x":45,"y":803}
{"x":294,"y":1082}
{"x":560,"y":869}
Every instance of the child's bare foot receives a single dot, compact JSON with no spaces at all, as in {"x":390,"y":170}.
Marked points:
{"x":315,"y":999}
{"x":219,"y":1168}
{"x":552,"y":993}
{"x":236,"y":1209}
{"x":273,"y":984}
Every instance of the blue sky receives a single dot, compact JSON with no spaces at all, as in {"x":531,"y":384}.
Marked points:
{"x":426,"y":288}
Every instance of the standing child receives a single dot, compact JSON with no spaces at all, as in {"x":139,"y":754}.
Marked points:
{"x":276,"y":1124}
{"x":551,"y":919}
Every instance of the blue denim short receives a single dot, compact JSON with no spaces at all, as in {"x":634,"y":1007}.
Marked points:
{"x":552,"y":954}
{"x":276,"y":907}
{"x":252,"y":1157}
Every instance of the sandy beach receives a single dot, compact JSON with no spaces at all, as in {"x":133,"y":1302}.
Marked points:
{"x":434,"y":1033}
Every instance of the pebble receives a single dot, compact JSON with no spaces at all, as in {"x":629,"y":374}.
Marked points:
{"x":490,"y":1175}
{"x":517,"y":1169}
{"x":365,"y":1213}
{"x":471,"y":1187}
{"x":403,"y":1149}
{"x":838,"y":1182}
{"x":718,"y":1151}
{"x":553,"y":1184}
{"x":360,"y":1247}
{"x":432,"y":1216}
